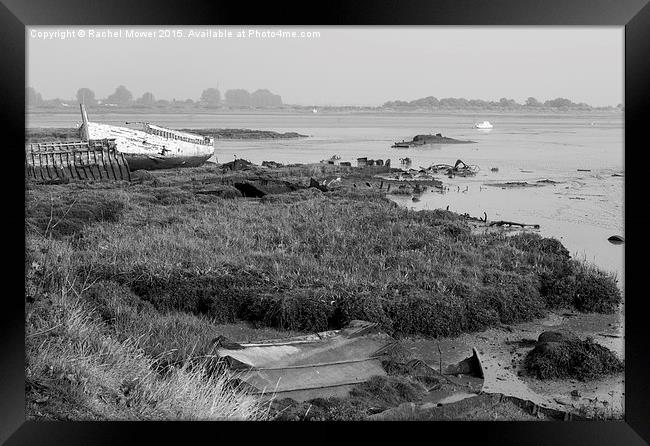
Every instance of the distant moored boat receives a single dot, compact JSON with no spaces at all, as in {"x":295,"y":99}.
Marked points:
{"x":483,"y":125}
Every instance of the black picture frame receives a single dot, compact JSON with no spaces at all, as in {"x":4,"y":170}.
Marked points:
{"x":634,"y":15}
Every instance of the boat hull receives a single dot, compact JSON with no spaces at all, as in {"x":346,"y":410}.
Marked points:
{"x":138,"y":161}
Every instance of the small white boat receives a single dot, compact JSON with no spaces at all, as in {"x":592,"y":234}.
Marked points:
{"x":314,"y":111}
{"x":483,"y":125}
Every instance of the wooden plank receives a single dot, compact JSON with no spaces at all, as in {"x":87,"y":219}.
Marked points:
{"x":110,"y":161}
{"x":79,"y":166}
{"x":52,"y":161}
{"x":99,"y":171}
{"x":87,"y":167}
{"x":108,"y":174}
{"x":125,"y":164}
{"x":67,"y":160}
{"x":32,"y":167}
{"x":62,"y":164}
{"x":89,"y":164}
{"x":47,"y":167}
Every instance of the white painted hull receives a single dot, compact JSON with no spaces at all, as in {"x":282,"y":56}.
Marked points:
{"x":137,"y":142}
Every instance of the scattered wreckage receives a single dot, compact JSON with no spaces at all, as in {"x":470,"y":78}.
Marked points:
{"x":326,"y":364}
{"x":331,"y":363}
{"x":460,"y":168}
{"x":420,"y":140}
{"x":481,"y":224}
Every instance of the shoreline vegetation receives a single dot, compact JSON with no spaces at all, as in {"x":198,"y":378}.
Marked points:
{"x":39,"y":134}
{"x":262,"y":100}
{"x":331,"y":109}
{"x":129,"y":284}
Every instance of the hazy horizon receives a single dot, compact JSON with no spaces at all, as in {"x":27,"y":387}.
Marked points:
{"x":343,"y":66}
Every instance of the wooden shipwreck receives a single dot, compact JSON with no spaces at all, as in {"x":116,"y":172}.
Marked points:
{"x":108,"y":152}
{"x":152,"y":146}
{"x":96,"y":160}
{"x":421,"y":140}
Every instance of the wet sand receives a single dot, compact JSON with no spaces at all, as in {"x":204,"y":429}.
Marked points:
{"x":503,"y":349}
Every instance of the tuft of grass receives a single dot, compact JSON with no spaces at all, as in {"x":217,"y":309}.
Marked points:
{"x":578,"y":359}
{"x":583,"y":287}
{"x":59,"y":214}
{"x":77,"y":368}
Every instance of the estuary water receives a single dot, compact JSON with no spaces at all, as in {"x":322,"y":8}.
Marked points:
{"x":582,"y":154}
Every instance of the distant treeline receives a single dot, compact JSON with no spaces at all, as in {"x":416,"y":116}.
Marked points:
{"x":503,"y":103}
{"x":123,"y":98}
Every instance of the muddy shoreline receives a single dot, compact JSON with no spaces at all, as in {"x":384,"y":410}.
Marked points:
{"x":41,"y":134}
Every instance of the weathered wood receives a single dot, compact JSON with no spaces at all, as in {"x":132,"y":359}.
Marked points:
{"x":47,"y":167}
{"x":108,"y":174}
{"x":110,"y":161}
{"x":74,"y":163}
{"x":125,"y":165}
{"x":75,"y":160}
{"x":90,"y":165}
{"x":99,"y":171}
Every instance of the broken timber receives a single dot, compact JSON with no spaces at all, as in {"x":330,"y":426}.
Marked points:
{"x":512,"y":223}
{"x":56,"y":162}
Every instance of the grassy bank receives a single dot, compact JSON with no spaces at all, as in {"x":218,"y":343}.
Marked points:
{"x":150,"y":267}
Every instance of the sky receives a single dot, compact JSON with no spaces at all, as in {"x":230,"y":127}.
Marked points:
{"x":336,"y":66}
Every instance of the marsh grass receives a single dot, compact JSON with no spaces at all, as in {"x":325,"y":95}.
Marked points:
{"x":159,"y":266}
{"x":311,"y":261}
{"x":77,"y":367}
